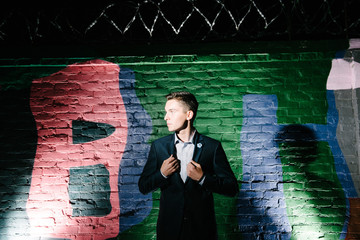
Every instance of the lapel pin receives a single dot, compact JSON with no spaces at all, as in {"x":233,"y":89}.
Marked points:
{"x":199,"y":145}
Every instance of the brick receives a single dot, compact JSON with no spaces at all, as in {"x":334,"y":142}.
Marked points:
{"x":297,"y":79}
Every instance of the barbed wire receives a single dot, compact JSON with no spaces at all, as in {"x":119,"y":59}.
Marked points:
{"x":179,"y":21}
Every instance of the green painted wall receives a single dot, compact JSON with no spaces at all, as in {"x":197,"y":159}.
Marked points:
{"x":220,"y":76}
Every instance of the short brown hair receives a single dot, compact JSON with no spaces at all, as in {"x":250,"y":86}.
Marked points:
{"x":187,"y":98}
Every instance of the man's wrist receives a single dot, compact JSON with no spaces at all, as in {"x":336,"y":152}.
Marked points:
{"x":201,"y":180}
{"x":163,"y":174}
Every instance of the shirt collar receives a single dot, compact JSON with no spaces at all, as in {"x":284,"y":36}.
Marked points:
{"x":191,"y":140}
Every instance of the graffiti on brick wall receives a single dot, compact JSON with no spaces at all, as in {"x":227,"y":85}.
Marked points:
{"x":344,"y":81}
{"x":92,"y":135}
{"x":91,"y":139}
{"x":280,"y":158}
{"x":315,"y":166}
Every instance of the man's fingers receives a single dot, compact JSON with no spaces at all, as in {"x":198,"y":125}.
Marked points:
{"x":171,"y":158}
{"x":177,"y":164}
{"x":191,"y":167}
{"x":174,"y":164}
{"x":194,"y":170}
{"x":195,"y":164}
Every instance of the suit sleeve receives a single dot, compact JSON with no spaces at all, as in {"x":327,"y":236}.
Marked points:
{"x":151,"y":178}
{"x":223,"y":180}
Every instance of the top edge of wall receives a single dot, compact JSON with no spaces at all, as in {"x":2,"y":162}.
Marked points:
{"x":105,"y":50}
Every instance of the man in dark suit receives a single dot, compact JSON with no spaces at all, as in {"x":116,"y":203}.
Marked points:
{"x":188,"y":167}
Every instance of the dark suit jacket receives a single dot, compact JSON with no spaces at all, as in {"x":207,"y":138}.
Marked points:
{"x":188,"y":200}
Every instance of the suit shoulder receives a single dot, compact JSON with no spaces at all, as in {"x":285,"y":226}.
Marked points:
{"x":163,"y":139}
{"x":210,"y":140}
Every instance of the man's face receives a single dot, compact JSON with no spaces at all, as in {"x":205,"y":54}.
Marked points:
{"x":177,"y":115}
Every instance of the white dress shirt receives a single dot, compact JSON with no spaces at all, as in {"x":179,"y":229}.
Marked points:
{"x":184,"y":153}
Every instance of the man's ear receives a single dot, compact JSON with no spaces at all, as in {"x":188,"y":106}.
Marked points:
{"x":190,"y":115}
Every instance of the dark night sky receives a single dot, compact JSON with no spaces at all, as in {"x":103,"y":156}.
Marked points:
{"x":109,"y":22}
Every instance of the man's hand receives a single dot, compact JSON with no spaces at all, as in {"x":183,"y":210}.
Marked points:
{"x":169,"y":166}
{"x":194,"y":170}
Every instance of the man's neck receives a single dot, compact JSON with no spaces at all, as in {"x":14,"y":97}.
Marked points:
{"x":185,"y":134}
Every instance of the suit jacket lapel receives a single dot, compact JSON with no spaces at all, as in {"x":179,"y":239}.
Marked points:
{"x":172,"y":150}
{"x":199,"y":144}
{"x":171,"y":146}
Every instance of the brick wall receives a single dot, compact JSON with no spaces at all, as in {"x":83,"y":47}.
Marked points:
{"x":76,"y":133}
